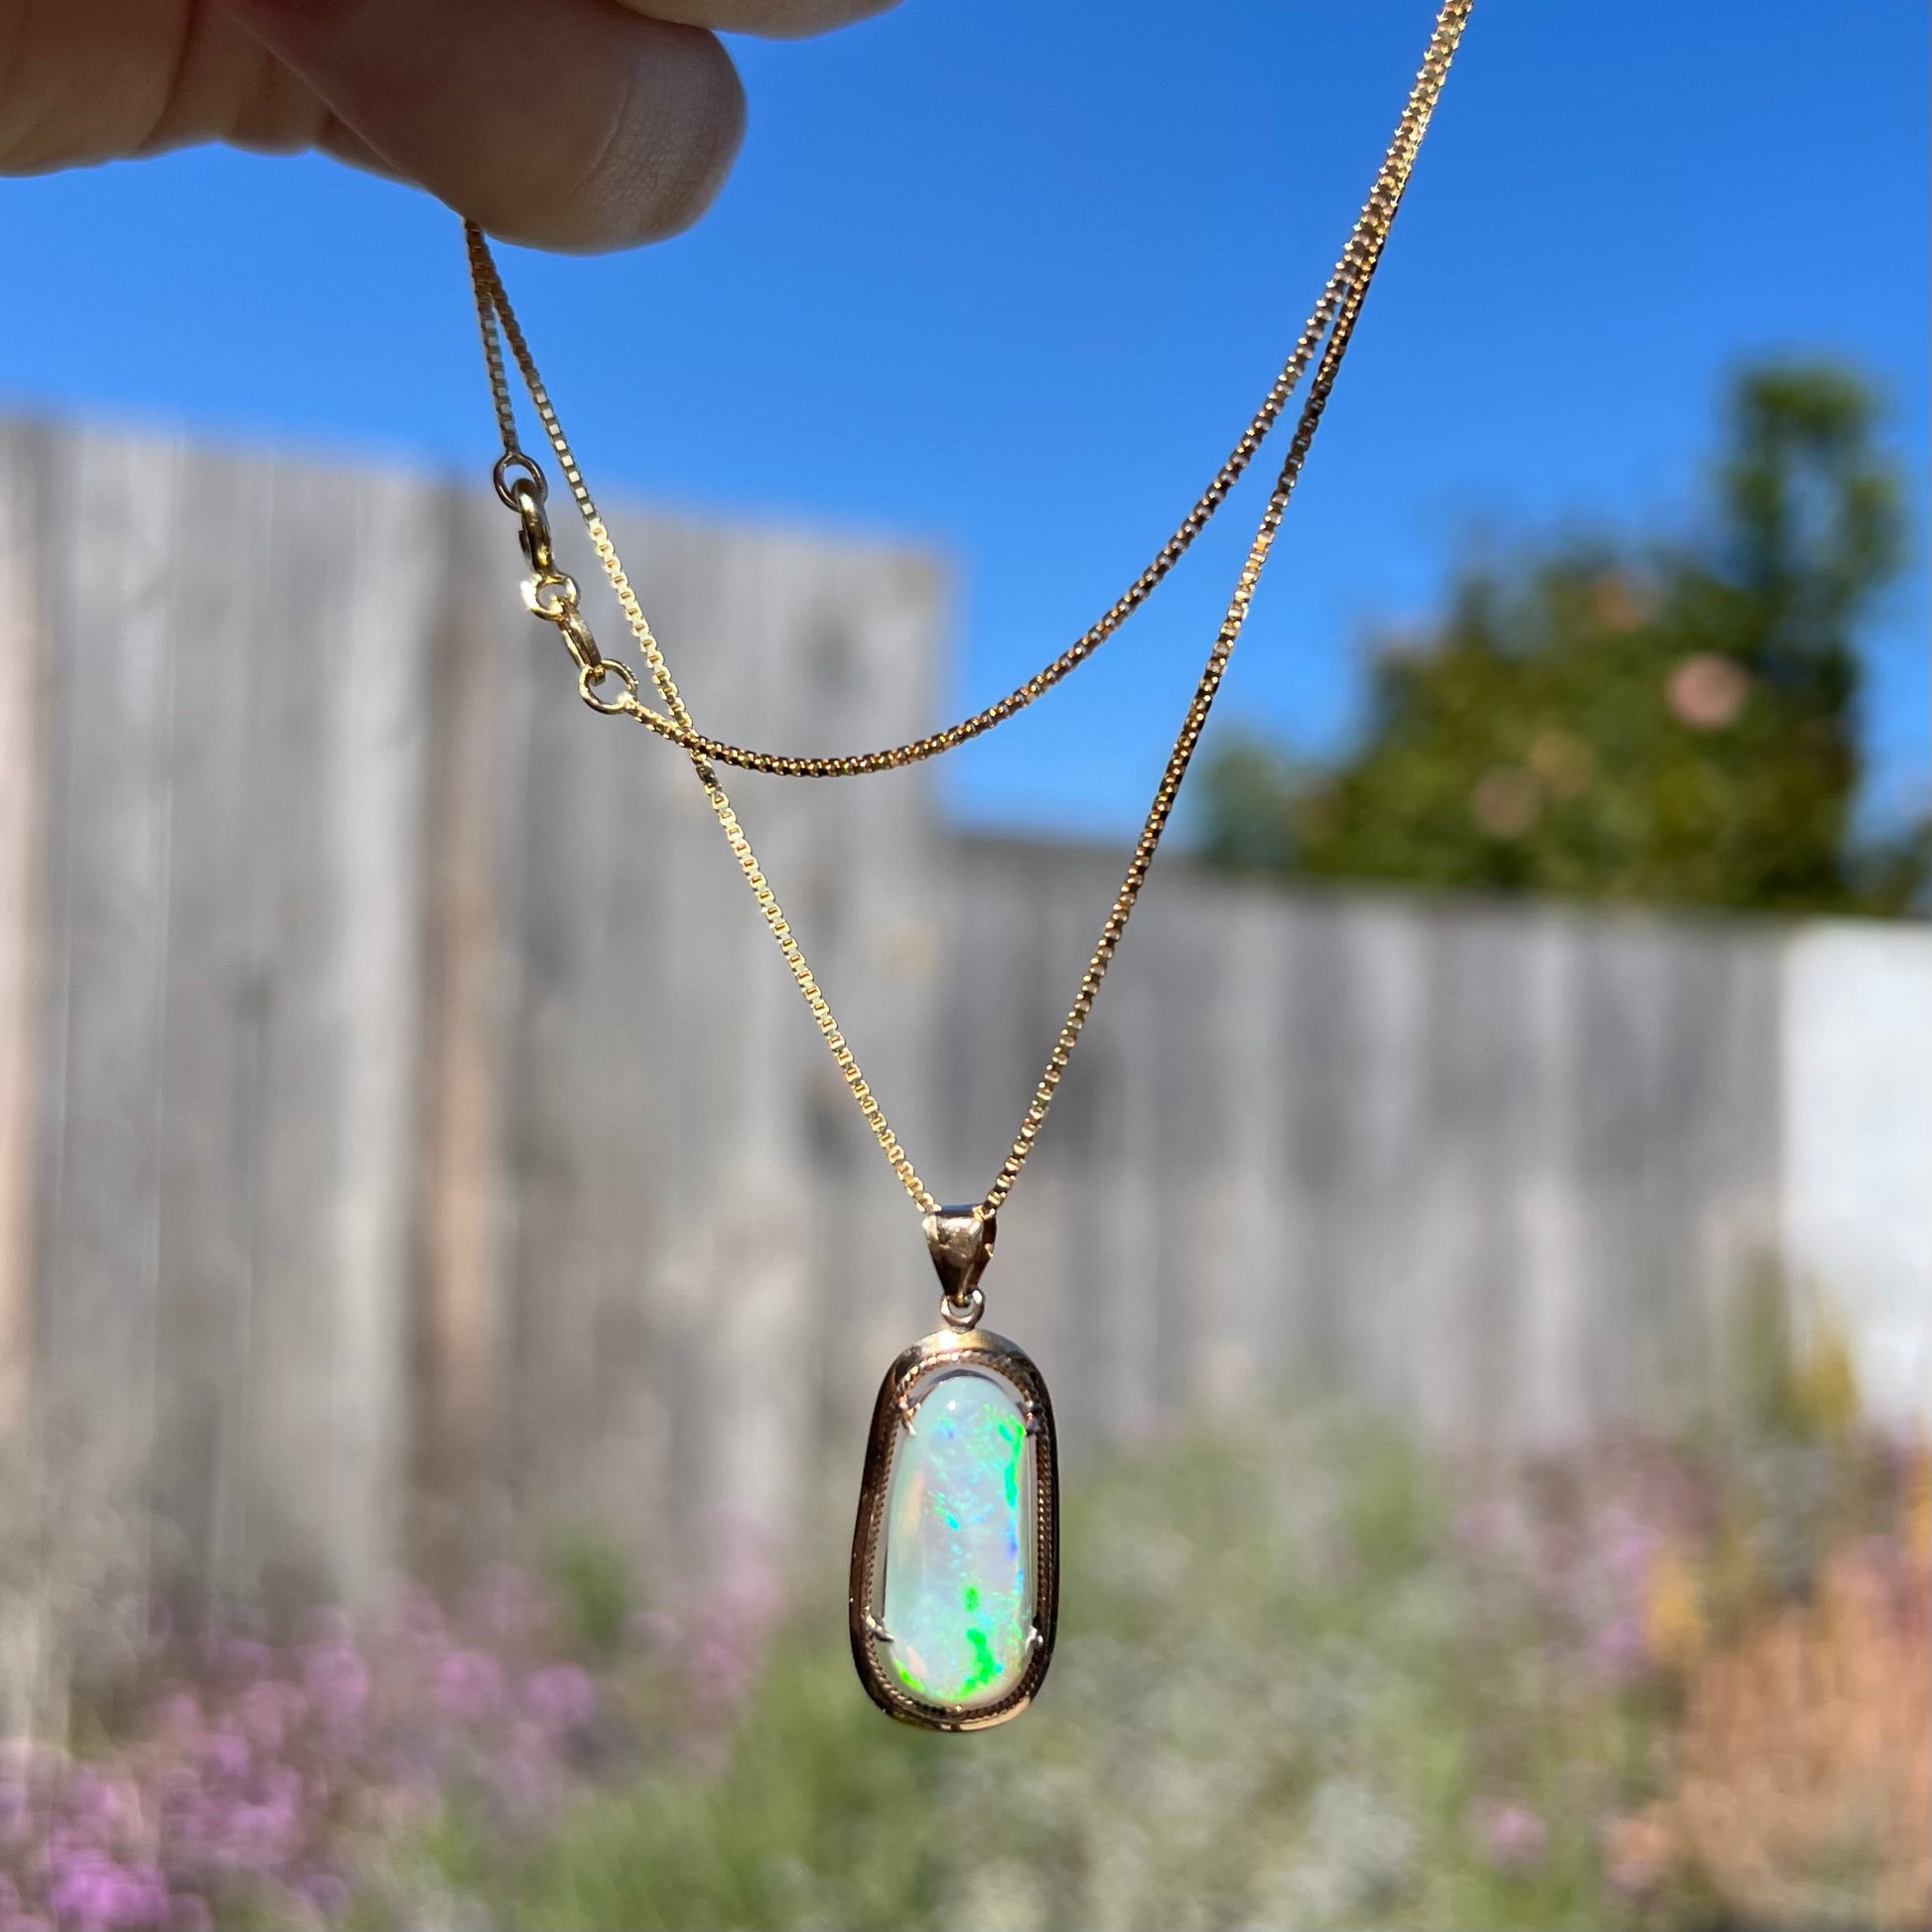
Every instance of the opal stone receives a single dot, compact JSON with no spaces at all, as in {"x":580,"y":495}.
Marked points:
{"x":958,"y":1546}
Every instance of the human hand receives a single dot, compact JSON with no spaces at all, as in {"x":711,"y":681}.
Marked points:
{"x":570,"y":124}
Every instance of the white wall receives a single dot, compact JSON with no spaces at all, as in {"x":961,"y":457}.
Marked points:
{"x":1858,"y":1147}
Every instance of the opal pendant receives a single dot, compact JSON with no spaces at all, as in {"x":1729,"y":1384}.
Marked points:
{"x":955,"y":1558}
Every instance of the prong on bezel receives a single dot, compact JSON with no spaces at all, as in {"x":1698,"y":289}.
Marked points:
{"x":878,"y":1632}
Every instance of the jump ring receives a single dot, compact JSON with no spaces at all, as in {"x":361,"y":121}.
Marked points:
{"x":514,"y":468}
{"x":592,"y":675}
{"x":562,"y":596}
{"x":962,"y":1316}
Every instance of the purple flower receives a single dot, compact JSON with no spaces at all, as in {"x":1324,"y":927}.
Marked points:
{"x":90,"y":1801}
{"x":257,"y":1838}
{"x":471,"y":1685}
{"x":724,"y":1663}
{"x":244,"y":1658}
{"x":1619,"y":1649}
{"x":143,"y":1895}
{"x":1632,"y":1550}
{"x":268,"y":1709}
{"x":89,"y":1892}
{"x":560,"y":1697}
{"x":337,"y":1682}
{"x":328,"y":1894}
{"x":264,"y":1777}
{"x":224,"y":1752}
{"x":1514,"y":1839}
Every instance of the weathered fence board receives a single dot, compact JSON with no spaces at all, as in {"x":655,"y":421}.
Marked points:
{"x":23,"y":751}
{"x":409,"y":1138}
{"x":1500,"y":1169}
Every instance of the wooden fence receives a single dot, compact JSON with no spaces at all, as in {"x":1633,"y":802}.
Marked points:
{"x":409,"y":1136}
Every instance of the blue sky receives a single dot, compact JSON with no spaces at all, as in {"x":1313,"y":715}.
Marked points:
{"x":1006,"y":280}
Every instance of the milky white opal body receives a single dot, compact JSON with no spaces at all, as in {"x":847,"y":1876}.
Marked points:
{"x":959,"y":1542}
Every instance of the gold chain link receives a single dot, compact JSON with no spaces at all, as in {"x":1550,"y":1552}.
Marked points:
{"x":552,"y":594}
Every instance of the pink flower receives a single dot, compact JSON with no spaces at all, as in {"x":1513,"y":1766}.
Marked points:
{"x":338,"y":1681}
{"x":268,"y":1709}
{"x":1707,"y":691}
{"x":1514,"y":1838}
{"x":560,"y":1697}
{"x":328,"y":1894}
{"x":1636,"y":1855}
{"x":259,"y":1837}
{"x":225,"y":1753}
{"x":91,"y":1801}
{"x":471,"y":1685}
{"x":244,"y":1658}
{"x":1619,"y":1649}
{"x":261,"y":1780}
{"x":1633,"y":1546}
{"x":89,"y":1892}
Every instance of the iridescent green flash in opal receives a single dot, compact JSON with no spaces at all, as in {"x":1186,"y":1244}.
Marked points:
{"x":959,"y":1544}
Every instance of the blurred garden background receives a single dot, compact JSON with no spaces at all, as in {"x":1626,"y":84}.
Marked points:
{"x":1480,"y":1255}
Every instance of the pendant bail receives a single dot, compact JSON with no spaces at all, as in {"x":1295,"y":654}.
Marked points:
{"x":960,"y":1240}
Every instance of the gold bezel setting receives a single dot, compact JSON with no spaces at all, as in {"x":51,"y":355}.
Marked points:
{"x":934,"y":1354}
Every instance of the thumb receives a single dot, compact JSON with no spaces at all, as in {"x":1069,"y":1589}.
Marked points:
{"x":570,"y":124}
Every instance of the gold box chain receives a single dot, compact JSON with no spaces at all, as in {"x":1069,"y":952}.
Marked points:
{"x":552,"y":594}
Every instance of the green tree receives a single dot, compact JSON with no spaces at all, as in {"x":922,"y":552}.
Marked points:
{"x":1672,"y":723}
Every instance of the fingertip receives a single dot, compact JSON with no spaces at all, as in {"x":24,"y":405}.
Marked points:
{"x":659,"y":173}
{"x":577,"y":127}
